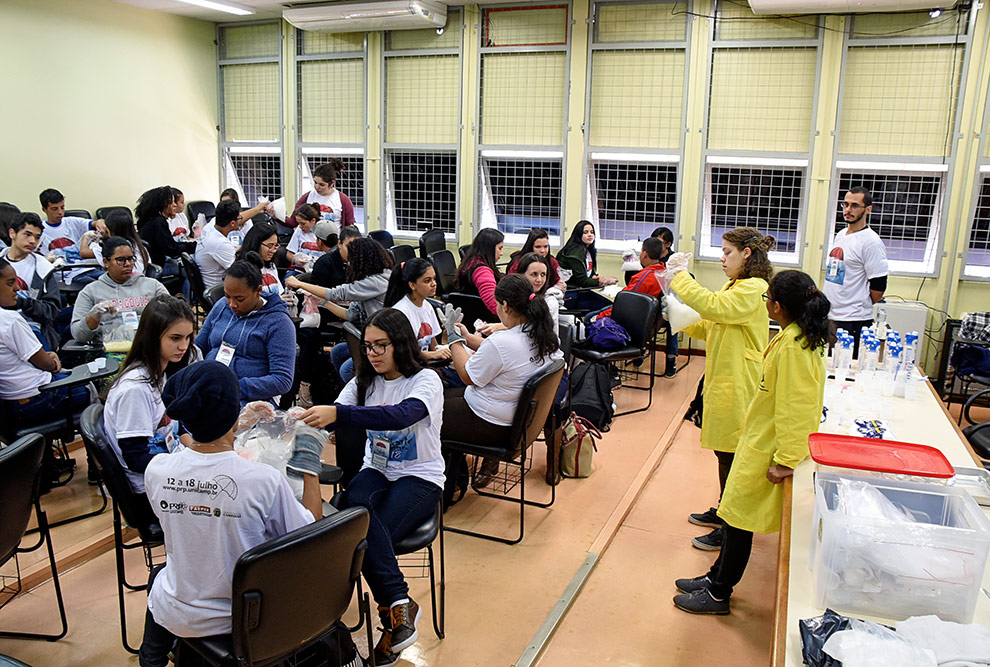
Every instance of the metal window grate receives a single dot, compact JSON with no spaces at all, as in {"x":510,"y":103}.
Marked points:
{"x":979,"y":235}
{"x":767,"y":198}
{"x":632,"y":199}
{"x":905,"y":211}
{"x":422,"y":190}
{"x":350,"y":181}
{"x":525,"y":26}
{"x":736,"y":21}
{"x":255,"y":175}
{"x":523,"y":193}
{"x":640,"y":22}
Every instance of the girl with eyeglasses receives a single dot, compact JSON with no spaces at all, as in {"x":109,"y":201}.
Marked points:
{"x":263,"y":240}
{"x":735,"y":329}
{"x":400,"y":403}
{"x":784,"y":411}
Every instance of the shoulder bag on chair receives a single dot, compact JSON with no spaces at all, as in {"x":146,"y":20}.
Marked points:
{"x":578,"y":447}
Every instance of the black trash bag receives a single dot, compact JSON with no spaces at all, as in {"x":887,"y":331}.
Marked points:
{"x":815,"y":632}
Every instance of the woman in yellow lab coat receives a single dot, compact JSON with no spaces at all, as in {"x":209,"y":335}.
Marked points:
{"x":786,"y":409}
{"x":735,"y":330}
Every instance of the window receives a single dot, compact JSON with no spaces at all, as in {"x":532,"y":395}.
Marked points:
{"x":978,"y":253}
{"x":350,"y":181}
{"x":906,"y":213}
{"x":768,"y":198}
{"x":631,"y":199}
{"x":421,"y":191}
{"x":522,"y":107}
{"x":251,"y":114}
{"x":521,"y":195}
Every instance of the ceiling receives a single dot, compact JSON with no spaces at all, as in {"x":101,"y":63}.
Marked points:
{"x":264,"y":9}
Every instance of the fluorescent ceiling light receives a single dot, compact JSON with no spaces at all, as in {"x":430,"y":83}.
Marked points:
{"x":228,"y":7}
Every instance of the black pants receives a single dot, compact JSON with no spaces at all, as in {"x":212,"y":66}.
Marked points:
{"x":853,"y":327}
{"x":158,"y":641}
{"x":460,"y":422}
{"x":724,"y":466}
{"x":731,"y":562}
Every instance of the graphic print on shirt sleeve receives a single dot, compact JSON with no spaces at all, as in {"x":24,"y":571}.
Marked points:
{"x":835,"y":269}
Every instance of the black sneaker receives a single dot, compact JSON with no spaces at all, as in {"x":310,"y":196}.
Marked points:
{"x":710,"y":542}
{"x":93,"y":476}
{"x":692,"y":585}
{"x":701,"y":602}
{"x":709,"y":519}
{"x":671,"y":369}
{"x":404,"y":619}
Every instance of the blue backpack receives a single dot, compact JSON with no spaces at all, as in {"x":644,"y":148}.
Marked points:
{"x":606,"y":334}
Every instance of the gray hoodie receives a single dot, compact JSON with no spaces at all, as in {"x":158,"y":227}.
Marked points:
{"x":367,"y":296}
{"x":133,"y":295}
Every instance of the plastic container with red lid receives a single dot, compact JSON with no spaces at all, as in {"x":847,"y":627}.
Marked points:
{"x":832,"y":451}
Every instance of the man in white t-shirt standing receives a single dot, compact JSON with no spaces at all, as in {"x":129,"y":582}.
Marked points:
{"x":215,"y":250}
{"x":856,"y":270}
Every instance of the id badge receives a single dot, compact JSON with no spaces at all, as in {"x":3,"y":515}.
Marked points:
{"x":226,"y":354}
{"x":171,"y":441}
{"x":379,"y":453}
{"x":130,"y":319}
{"x":235,"y":238}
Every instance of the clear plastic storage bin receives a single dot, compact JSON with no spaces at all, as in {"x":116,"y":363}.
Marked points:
{"x":878,"y":566}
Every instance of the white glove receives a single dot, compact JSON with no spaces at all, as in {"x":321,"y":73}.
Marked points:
{"x":663,"y":306}
{"x":102,"y":308}
{"x":90,"y":236}
{"x":301,"y":259}
{"x":678,"y":262}
{"x":254,"y":412}
{"x":452,"y":317}
{"x":264,"y":200}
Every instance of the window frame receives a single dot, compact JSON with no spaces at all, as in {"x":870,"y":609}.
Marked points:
{"x":391,"y":219}
{"x":975,"y":272}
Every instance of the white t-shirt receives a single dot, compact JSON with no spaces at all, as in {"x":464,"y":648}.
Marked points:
{"x":26,"y":268}
{"x":304,"y":242}
{"x":213,"y":508}
{"x":329,"y":205}
{"x":270,"y":284}
{"x":214,"y":255}
{"x":68,"y":233}
{"x":853,"y":261}
{"x":180,"y":227}
{"x":499,"y":369}
{"x":134,"y":410}
{"x":423,"y":319}
{"x":414,"y":450}
{"x":20,"y":378}
{"x":97,"y":249}
{"x":553,"y":305}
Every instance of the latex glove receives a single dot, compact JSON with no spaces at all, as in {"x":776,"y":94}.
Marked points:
{"x":305,"y":457}
{"x":264,"y":200}
{"x":89,"y":236}
{"x":102,"y":308}
{"x":301,"y":259}
{"x":663,"y":306}
{"x":678,"y":262}
{"x":254,"y":412}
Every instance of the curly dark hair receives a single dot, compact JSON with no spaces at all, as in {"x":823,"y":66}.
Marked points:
{"x":152,"y":203}
{"x":405,"y":349}
{"x":366,"y":257}
{"x":758,"y":263}
{"x":515,"y":291}
{"x":796,"y":293}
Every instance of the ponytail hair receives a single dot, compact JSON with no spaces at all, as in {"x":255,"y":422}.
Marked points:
{"x":796,"y":292}
{"x":515,"y":291}
{"x":758,"y":263}
{"x":407,"y":272}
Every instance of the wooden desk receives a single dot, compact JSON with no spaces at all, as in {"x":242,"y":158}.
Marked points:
{"x":922,"y":420}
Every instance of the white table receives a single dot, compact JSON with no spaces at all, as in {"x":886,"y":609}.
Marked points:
{"x":922,"y":420}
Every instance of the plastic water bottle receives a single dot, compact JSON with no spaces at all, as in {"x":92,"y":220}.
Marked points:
{"x":881,"y":325}
{"x":910,"y":348}
{"x":843,"y":357}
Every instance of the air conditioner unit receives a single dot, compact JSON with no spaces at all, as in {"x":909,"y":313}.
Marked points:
{"x":844,"y":6}
{"x":364,"y":16}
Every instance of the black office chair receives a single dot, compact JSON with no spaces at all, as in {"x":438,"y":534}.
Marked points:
{"x":152,"y":271}
{"x":473,"y":308}
{"x":212,"y":295}
{"x":194,"y":208}
{"x":104,"y":211}
{"x":639,"y":315}
{"x":382,"y":236}
{"x":197,"y":288}
{"x":402,"y":253}
{"x":431,"y":241}
{"x":289,"y":592}
{"x":446,"y":270}
{"x":530,"y":418}
{"x":20,"y":484}
{"x":132,"y":507}
{"x":78,"y":213}
{"x":462,"y":250}
{"x":978,"y":434}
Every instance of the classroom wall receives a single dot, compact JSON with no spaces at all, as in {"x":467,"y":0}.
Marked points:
{"x":103,"y":101}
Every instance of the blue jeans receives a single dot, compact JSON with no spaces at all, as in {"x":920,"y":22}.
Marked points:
{"x":49,"y":404}
{"x":396,"y":508}
{"x":340,"y":357}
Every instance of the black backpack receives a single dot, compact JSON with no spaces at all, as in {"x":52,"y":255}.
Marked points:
{"x":591,"y":394}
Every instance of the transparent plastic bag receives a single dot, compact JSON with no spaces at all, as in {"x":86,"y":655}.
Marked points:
{"x":267,"y":435}
{"x":867,"y":644}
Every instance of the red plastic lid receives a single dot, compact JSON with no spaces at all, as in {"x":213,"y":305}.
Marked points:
{"x":899,"y":458}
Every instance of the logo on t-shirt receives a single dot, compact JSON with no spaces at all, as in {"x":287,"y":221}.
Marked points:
{"x":425,"y":331}
{"x":402,"y":444}
{"x":310,"y":245}
{"x":835,"y":268}
{"x":21,"y":285}
{"x":268,"y":280}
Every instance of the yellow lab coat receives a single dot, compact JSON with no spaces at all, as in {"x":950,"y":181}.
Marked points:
{"x":735,"y":329}
{"x":787,"y":409}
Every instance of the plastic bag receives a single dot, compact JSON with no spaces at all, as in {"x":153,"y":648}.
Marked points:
{"x":268,"y":436}
{"x":679,"y":315}
{"x":565,"y":274}
{"x":867,"y":644}
{"x":311,"y":303}
{"x":815,"y":632}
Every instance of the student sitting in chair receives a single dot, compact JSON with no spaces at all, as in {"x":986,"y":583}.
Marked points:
{"x":249,"y":503}
{"x":62,"y":231}
{"x":478,"y":272}
{"x":215,"y":250}
{"x":330,"y":270}
{"x":38,"y":297}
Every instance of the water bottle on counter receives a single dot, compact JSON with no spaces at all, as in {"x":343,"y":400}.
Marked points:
{"x":843,"y":357}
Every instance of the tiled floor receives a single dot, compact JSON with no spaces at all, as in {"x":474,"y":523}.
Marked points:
{"x":498,"y":596}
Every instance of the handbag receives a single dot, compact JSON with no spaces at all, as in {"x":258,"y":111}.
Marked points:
{"x":577,"y":446}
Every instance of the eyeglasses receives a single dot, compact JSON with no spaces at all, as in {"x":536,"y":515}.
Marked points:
{"x":270,"y":246}
{"x":122,"y":261}
{"x":855,"y":206}
{"x":374,"y":348}
{"x":767,"y":297}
